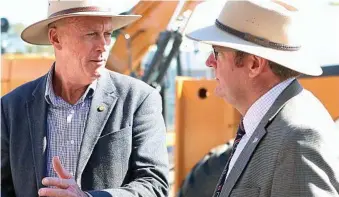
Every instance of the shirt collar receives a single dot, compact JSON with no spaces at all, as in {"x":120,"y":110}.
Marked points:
{"x":259,"y":108}
{"x":50,"y":96}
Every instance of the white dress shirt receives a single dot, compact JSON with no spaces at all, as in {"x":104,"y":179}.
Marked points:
{"x":254,"y":115}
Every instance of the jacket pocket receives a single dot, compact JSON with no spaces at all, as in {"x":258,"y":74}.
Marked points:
{"x":127,"y":131}
{"x":245,"y":192}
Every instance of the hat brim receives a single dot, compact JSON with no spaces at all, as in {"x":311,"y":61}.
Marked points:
{"x":37,"y":33}
{"x":295,"y":60}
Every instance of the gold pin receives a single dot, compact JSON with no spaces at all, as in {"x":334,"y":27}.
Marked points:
{"x":101,"y":108}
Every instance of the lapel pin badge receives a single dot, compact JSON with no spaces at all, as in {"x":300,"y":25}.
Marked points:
{"x":101,"y":108}
{"x":255,"y":140}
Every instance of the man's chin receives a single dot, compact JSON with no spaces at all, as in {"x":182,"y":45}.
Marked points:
{"x":98,"y":72}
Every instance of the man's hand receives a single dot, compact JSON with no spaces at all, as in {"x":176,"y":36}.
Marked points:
{"x":65,"y":184}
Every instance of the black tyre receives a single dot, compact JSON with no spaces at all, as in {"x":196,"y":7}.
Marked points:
{"x":204,"y":176}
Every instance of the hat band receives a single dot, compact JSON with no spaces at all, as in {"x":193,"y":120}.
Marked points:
{"x":255,"y":39}
{"x":81,"y":9}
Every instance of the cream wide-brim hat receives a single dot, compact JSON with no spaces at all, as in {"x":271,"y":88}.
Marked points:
{"x":37,"y":33}
{"x":269,"y":29}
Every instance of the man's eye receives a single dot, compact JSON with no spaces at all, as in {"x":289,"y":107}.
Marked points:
{"x":108,"y":34}
{"x":215,"y":53}
{"x":91,"y":34}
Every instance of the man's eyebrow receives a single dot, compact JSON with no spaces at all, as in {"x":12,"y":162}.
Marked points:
{"x":216,"y":47}
{"x":92,"y":29}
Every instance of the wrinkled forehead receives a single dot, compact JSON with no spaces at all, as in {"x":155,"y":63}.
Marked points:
{"x":91,"y":22}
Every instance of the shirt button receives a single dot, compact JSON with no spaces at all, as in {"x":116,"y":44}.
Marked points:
{"x":69,"y":118}
{"x":72,"y":173}
{"x":72,"y":141}
{"x":72,"y":111}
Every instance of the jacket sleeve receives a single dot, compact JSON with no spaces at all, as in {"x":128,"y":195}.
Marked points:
{"x":308,"y":165}
{"x":7,"y":188}
{"x":149,"y":154}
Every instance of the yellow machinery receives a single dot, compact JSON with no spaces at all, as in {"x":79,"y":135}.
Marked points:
{"x":19,"y":69}
{"x":134,"y":41}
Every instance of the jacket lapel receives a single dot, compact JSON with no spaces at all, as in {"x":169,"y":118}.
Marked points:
{"x":102,"y":105}
{"x":243,"y":159}
{"x":36,"y":109}
{"x":292,"y":90}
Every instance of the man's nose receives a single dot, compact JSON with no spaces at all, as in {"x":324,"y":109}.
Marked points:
{"x":211,"y":61}
{"x":102,"y":44}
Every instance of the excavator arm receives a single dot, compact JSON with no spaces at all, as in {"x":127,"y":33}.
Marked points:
{"x":133,"y":41}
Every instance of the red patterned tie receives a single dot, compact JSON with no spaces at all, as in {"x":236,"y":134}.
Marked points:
{"x":240,"y":133}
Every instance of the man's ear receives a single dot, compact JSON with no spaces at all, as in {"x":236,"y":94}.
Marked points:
{"x":257,"y":66}
{"x":54,"y":37}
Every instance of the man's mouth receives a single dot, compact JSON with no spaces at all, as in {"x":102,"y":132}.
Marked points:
{"x":101,"y":60}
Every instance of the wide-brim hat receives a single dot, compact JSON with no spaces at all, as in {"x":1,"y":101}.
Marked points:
{"x":269,"y":29}
{"x":37,"y":33}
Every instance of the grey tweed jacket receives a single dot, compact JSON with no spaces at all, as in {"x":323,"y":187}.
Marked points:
{"x":294,"y":152}
{"x":123,"y":152}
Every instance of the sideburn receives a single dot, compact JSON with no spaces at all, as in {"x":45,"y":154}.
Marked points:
{"x":239,"y":56}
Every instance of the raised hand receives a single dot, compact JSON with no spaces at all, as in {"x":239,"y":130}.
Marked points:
{"x":63,"y":186}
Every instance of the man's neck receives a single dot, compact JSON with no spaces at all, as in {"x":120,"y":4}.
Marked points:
{"x":255,"y":93}
{"x":70,"y":91}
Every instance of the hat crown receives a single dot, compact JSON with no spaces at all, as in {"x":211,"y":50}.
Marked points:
{"x":59,"y":6}
{"x":275,"y":21}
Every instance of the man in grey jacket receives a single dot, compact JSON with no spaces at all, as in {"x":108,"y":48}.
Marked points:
{"x":82,"y":130}
{"x":287,"y":144}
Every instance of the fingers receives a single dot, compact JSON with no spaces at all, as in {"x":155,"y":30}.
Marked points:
{"x":54,"y":192}
{"x":59,"y":169}
{"x":57,"y":182}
